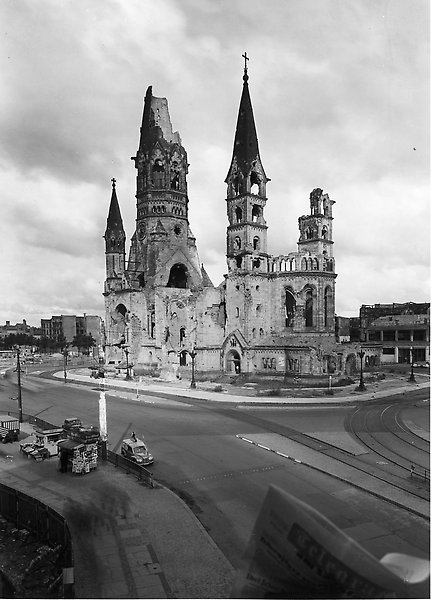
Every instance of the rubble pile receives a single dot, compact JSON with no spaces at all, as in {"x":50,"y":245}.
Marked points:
{"x":31,"y":567}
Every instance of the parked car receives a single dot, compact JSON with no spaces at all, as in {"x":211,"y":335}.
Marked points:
{"x":71,"y":422}
{"x":97,"y":373}
{"x":136,"y":450}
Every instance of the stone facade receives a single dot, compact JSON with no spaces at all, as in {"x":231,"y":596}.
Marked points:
{"x":271,"y":315}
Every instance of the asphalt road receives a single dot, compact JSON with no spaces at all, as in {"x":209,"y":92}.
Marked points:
{"x":223,"y":479}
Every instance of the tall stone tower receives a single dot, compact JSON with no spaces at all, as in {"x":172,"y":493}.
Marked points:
{"x":163,"y":235}
{"x":151,"y":301}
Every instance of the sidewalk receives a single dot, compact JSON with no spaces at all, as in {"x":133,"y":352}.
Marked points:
{"x":131,"y":541}
{"x":245,"y":394}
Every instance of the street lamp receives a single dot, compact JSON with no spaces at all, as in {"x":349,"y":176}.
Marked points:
{"x":361,"y":387}
{"x":193,"y":356}
{"x":412,"y":375}
{"x":126,"y":352}
{"x":18,"y":370}
{"x":65,"y":355}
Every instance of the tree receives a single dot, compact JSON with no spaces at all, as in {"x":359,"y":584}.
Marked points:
{"x":61,"y":343}
{"x":45,"y":343}
{"x":83,"y":342}
{"x":17,"y":339}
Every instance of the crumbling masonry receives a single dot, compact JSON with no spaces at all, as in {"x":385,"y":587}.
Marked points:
{"x":271,"y":314}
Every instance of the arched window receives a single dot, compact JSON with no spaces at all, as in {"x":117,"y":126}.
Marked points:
{"x":254,"y":182}
{"x":292,"y":264}
{"x":182,"y":334}
{"x":315,"y":264}
{"x":289,"y":308}
{"x":183,"y":358}
{"x":238,"y":261}
{"x":178,"y":277}
{"x":237,"y":311}
{"x":175,"y":176}
{"x":158,"y":175}
{"x":122,"y":310}
{"x":256,"y":243}
{"x":324,"y":232}
{"x":309,"y":308}
{"x":237,"y":243}
{"x":304,"y":264}
{"x":255,"y":213}
{"x":308,"y":233}
{"x":152,"y":324}
{"x":238,"y":214}
{"x":256,"y":263}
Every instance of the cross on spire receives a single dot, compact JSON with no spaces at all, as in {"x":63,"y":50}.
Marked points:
{"x":114,"y":181}
{"x":246,"y":58}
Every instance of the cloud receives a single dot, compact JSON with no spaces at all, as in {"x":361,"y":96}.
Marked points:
{"x":340,"y":91}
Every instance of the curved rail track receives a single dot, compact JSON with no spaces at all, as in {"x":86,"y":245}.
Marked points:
{"x":382,"y":460}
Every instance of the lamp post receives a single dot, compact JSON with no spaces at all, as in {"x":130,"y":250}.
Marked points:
{"x":126,"y":352}
{"x":412,"y":375}
{"x":361,"y":386}
{"x":193,"y":356}
{"x":18,"y":370}
{"x":65,"y":355}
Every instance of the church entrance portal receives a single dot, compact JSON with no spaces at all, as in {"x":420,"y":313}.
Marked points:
{"x":233,"y":362}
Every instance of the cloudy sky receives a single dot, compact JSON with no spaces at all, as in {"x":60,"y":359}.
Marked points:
{"x":340,"y":93}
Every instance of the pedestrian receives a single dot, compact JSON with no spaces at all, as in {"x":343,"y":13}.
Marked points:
{"x":134,"y":436}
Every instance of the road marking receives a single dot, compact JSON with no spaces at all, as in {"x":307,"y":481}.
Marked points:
{"x":240,"y":437}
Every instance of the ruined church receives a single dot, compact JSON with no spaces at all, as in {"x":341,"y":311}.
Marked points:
{"x":271,"y":314}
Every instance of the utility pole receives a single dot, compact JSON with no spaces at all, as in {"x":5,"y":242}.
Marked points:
{"x":18,"y":369}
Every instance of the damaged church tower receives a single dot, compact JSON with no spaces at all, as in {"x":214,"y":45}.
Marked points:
{"x":270,"y":315}
{"x":151,"y":304}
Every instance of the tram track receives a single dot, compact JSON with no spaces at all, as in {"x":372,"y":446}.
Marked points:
{"x":386,"y":438}
{"x":369,"y":464}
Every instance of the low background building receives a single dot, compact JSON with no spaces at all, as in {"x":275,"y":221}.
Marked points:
{"x":402,"y":330}
{"x":66,"y":327}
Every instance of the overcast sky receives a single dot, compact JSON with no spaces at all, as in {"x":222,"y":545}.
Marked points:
{"x":340,"y":93}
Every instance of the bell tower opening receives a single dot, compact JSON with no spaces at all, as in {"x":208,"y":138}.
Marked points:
{"x":178,"y":276}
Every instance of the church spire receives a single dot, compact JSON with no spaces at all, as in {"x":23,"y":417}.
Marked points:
{"x":115,"y":244}
{"x":246,"y":194}
{"x":114,"y":223}
{"x":246,"y":147}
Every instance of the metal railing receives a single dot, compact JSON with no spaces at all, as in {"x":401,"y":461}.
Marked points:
{"x":131,"y":467}
{"x":47,"y":525}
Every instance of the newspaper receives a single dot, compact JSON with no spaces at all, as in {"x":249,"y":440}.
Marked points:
{"x":295,"y":552}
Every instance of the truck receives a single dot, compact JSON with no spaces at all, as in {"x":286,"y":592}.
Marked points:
{"x":42,"y":444}
{"x":9,"y":429}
